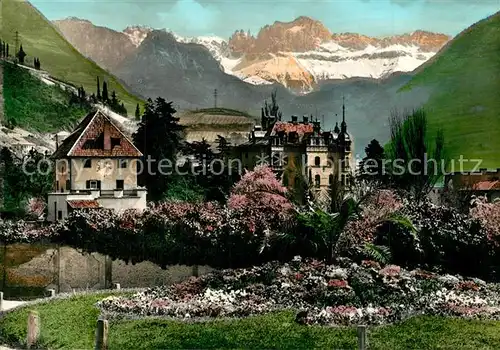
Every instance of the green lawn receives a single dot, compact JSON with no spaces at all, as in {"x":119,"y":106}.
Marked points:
{"x":464,"y":81}
{"x":41,"y":39}
{"x":71,"y":324}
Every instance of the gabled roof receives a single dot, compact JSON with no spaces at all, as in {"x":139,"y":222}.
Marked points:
{"x":83,"y":204}
{"x":91,"y":128}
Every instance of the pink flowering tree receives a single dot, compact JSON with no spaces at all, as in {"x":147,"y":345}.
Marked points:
{"x":488,"y":214}
{"x":261,"y":200}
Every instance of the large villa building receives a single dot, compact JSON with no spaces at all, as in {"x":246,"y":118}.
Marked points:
{"x":96,"y":167}
{"x":322,"y":156}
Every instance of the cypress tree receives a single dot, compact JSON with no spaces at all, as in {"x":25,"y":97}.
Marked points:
{"x":21,"y":54}
{"x":137,"y":112}
{"x":105,"y":97}
{"x":114,"y":100}
{"x":98,"y":90}
{"x":7,"y":51}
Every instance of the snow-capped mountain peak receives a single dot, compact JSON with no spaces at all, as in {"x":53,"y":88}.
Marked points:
{"x":137,"y":34}
{"x":301,"y":53}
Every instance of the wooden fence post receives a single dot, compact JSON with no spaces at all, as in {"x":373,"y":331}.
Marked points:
{"x":101,"y":335}
{"x":33,"y":332}
{"x":1,"y":301}
{"x":362,"y":337}
{"x":108,"y":272}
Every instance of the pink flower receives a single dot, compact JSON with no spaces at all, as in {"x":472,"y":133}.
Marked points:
{"x":390,"y":271}
{"x":337,"y":283}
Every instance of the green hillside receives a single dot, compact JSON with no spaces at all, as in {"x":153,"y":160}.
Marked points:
{"x":464,"y":79}
{"x":31,"y":104}
{"x":40,"y":39}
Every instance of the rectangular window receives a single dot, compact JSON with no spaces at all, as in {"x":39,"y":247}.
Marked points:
{"x":59,"y":215}
{"x":87,"y":163}
{"x":93,"y":184}
{"x":57,"y":186}
{"x":122,"y":163}
{"x":119,"y":184}
{"x":115,"y":142}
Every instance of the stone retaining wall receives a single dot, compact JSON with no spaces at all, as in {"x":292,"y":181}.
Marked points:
{"x":65,"y":269}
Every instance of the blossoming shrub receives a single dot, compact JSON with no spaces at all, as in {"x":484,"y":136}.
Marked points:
{"x":377,"y":208}
{"x":174,"y":233}
{"x":260,"y":200}
{"x":447,"y":239}
{"x":489,"y":216}
{"x":342,"y":294}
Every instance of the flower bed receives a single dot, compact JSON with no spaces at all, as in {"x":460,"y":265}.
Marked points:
{"x":341,"y":294}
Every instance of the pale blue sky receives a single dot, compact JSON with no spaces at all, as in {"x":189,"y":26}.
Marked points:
{"x":223,"y":17}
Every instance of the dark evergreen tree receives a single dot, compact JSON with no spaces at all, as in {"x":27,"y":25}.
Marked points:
{"x":114,"y":101}
{"x":98,"y":90}
{"x":137,"y":112}
{"x":371,"y":167}
{"x":21,"y":55}
{"x":7,"y":51}
{"x":2,"y":49}
{"x":93,"y":99}
{"x":105,"y":96}
{"x":158,"y":137}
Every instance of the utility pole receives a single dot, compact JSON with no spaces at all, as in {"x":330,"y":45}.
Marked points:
{"x":215,"y":98}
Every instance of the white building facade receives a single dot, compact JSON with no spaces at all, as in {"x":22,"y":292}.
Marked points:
{"x":96,"y":167}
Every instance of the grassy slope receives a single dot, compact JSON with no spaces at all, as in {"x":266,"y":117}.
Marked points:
{"x":465,"y":81}
{"x":40,"y":39}
{"x":35,"y":105}
{"x":71,"y":324}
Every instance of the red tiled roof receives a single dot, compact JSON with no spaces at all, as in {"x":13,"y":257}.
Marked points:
{"x":95,"y":125}
{"x":299,"y":128}
{"x":487,"y":185}
{"x":83,"y":204}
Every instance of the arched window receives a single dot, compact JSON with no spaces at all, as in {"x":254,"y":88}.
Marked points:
{"x":317,"y":141}
{"x":330,"y":179}
{"x":317,"y":161}
{"x":317,"y":180}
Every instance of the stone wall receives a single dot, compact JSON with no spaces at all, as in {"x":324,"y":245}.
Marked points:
{"x":65,"y":269}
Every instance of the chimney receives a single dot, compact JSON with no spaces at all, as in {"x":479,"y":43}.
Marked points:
{"x":294,"y":119}
{"x":107,"y":138}
{"x":305,"y":119}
